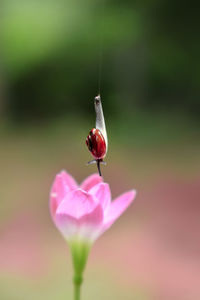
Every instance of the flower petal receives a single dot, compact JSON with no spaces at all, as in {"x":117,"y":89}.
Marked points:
{"x":117,"y":207}
{"x":62,"y":185}
{"x":91,"y":181}
{"x":79,"y":216}
{"x":102,"y":193}
{"x":68,"y":180}
{"x":77,"y":203}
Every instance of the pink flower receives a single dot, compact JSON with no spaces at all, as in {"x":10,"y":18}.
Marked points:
{"x":83,"y":213}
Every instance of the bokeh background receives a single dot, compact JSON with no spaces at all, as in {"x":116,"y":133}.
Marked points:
{"x":150,"y":85}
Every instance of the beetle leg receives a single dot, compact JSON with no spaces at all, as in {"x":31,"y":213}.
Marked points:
{"x":91,"y":162}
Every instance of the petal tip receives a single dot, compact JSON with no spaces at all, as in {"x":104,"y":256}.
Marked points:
{"x":91,"y":181}
{"x":134,"y":193}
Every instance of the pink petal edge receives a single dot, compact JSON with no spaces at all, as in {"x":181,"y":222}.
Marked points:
{"x":102,"y":193}
{"x":91,"y":181}
{"x":69,"y":180}
{"x":118,"y":206}
{"x":63,"y":183}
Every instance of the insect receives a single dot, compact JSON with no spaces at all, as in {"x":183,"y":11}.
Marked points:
{"x":97,"y":141}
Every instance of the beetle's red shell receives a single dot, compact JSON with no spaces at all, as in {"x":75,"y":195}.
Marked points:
{"x":96,"y":143}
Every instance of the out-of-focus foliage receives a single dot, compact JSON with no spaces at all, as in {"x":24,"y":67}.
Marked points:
{"x":50,"y":56}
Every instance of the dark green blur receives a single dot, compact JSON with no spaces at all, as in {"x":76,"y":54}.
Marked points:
{"x":51,"y":53}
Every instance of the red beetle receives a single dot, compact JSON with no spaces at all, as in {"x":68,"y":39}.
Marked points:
{"x":96,"y":143}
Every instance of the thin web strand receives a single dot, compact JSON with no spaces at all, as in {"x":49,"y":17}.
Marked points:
{"x":101,"y":45}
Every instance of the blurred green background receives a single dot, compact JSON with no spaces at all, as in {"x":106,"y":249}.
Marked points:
{"x":150,"y":87}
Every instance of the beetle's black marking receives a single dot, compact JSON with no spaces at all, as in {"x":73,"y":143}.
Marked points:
{"x":90,"y":146}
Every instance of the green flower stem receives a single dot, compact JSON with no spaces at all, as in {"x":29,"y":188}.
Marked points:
{"x":79,"y":251}
{"x":77,"y":290}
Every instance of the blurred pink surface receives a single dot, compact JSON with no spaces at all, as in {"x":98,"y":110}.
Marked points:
{"x":156,"y":243}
